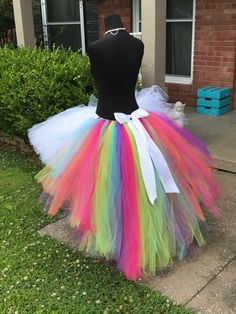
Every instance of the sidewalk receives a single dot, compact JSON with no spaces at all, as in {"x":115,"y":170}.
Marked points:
{"x":206,"y":279}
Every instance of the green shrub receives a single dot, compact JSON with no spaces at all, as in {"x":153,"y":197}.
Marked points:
{"x":35,"y":84}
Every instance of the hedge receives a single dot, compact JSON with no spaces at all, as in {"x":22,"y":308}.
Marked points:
{"x":35,"y":84}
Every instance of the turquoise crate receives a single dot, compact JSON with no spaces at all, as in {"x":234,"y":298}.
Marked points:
{"x":213,"y":101}
{"x":210,"y":92}
{"x":213,"y":111}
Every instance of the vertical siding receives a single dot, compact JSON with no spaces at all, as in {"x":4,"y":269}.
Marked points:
{"x":38,"y":28}
{"x":91,"y":20}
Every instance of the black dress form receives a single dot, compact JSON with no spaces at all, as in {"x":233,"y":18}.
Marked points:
{"x":115,"y":63}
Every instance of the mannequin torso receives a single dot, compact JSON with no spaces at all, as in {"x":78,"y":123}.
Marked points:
{"x":115,"y":63}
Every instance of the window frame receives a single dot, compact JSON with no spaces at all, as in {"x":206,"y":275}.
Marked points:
{"x":46,"y":24}
{"x":179,"y":79}
{"x":136,"y":12}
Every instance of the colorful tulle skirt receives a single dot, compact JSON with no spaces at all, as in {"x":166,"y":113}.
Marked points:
{"x":135,"y":185}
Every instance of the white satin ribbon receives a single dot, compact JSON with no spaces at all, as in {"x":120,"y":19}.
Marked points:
{"x":150,"y":155}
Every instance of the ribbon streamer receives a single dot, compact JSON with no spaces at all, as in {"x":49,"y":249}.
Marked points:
{"x":150,"y":155}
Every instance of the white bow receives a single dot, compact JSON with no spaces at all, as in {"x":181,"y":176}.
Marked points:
{"x":149,"y":155}
{"x":122,"y":117}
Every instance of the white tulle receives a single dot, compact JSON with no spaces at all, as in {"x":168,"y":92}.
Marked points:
{"x":48,"y":137}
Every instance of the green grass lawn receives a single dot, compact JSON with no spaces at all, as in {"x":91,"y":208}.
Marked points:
{"x":40,"y":275}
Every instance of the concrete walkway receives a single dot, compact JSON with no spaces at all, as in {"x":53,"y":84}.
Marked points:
{"x":218,"y":133}
{"x":206,"y":279}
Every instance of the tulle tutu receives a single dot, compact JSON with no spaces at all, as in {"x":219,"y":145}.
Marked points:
{"x":134,"y":185}
{"x":49,"y":136}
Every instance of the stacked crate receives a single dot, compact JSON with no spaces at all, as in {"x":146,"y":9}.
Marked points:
{"x":213,"y":101}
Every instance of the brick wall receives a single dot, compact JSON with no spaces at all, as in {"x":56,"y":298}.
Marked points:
{"x":121,"y":7}
{"x":214,"y":51}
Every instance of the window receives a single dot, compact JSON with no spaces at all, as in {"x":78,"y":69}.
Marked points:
{"x":63,"y":23}
{"x":180,"y":15}
{"x":180,"y":20}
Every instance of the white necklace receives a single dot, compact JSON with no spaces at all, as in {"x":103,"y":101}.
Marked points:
{"x":114,"y":31}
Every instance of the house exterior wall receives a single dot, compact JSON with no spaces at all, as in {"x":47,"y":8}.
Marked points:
{"x":214,"y":46}
{"x":214,"y":50}
{"x":121,"y":7}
